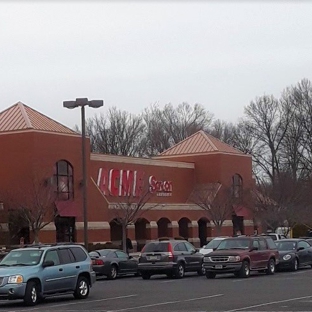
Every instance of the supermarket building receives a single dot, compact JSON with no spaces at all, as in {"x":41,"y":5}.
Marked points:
{"x":32,"y":143}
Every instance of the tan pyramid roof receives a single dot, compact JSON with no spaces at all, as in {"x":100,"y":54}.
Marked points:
{"x":200,"y":143}
{"x":21,"y":117}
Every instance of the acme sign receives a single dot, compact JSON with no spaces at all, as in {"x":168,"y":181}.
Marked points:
{"x":120,"y":182}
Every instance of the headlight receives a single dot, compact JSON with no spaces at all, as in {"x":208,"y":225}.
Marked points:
{"x":287,"y":257}
{"x":207,"y":259}
{"x":234,"y":258}
{"x":15,"y":279}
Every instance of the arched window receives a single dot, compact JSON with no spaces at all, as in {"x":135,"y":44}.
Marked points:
{"x":237,"y":186}
{"x":63,"y":177}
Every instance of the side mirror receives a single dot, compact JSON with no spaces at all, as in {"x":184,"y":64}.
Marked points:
{"x":130,"y":257}
{"x":300,"y":248}
{"x":47,"y":263}
{"x":254,"y":248}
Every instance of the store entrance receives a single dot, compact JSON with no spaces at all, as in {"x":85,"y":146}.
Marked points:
{"x":65,"y":229}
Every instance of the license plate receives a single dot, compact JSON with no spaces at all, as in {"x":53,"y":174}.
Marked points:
{"x":152,"y":258}
{"x":218,"y":266}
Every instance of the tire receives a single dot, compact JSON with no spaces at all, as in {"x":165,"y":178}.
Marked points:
{"x":202,"y":271}
{"x":31,"y":296}
{"x":245,"y":269}
{"x":210,"y":275}
{"x":146,"y":275}
{"x":179,"y":272}
{"x":82,"y":288}
{"x":295,"y":265}
{"x":112,"y":272}
{"x":271,"y":267}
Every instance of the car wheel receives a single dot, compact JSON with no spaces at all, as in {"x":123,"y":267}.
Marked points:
{"x":82,"y":288}
{"x":179,"y":273}
{"x":245,"y":269}
{"x":271,"y":267}
{"x":295,"y":265}
{"x":112,"y":272}
{"x":202,"y":271}
{"x":31,"y":297}
{"x":146,"y":275}
{"x":210,"y":274}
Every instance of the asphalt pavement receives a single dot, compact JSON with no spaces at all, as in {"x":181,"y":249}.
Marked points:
{"x":284,"y":291}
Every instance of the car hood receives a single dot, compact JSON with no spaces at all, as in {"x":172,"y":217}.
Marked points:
{"x":7,"y":271}
{"x":231,"y":252}
{"x":205,"y":251}
{"x":286,"y":252}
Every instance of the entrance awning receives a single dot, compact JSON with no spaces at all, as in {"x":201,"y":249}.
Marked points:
{"x":68,"y":208}
{"x":241,"y":211}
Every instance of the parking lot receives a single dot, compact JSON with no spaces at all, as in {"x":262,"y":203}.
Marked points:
{"x":284,"y":291}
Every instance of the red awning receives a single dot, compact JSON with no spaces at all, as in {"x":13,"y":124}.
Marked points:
{"x":241,"y":211}
{"x":68,"y":208}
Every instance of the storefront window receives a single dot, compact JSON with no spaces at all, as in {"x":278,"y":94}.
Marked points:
{"x":237,"y":185}
{"x":63,"y":175}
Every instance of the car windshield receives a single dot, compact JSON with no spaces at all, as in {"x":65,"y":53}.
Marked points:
{"x":213,"y":244}
{"x":282,"y":245}
{"x":237,"y":243}
{"x":22,"y":258}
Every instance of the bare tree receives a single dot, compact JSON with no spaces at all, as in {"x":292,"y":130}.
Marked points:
{"x":33,"y":207}
{"x":131,"y":209}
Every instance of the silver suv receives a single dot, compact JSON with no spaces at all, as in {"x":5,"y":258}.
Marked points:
{"x":37,"y":271}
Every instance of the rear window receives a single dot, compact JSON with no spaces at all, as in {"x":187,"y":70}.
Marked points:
{"x":271,"y":243}
{"x":79,"y":254}
{"x":156,"y":247}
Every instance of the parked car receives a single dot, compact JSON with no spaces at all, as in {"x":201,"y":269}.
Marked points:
{"x":170,"y":257}
{"x":113,"y":263}
{"x":307,"y":239}
{"x":275,"y":236}
{"x":35,"y":272}
{"x":240,"y":255}
{"x":293,"y":254}
{"x":213,"y":244}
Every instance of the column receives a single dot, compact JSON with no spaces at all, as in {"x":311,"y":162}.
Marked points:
{"x":193,"y":232}
{"x":174,"y":228}
{"x":153,"y":228}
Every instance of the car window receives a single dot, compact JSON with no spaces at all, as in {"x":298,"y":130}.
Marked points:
{"x":79,"y":253}
{"x":270,"y":243}
{"x":189,"y":247}
{"x":121,"y":254}
{"x":262,"y":244}
{"x":94,"y":254}
{"x":273,"y":236}
{"x":255,"y":244}
{"x":52,"y":255}
{"x":23,"y":257}
{"x":156,"y":246}
{"x":180,"y":247}
{"x":104,"y":252}
{"x":303,"y":244}
{"x":66,"y":256}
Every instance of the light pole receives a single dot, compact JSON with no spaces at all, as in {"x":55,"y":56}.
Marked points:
{"x":82,"y":102}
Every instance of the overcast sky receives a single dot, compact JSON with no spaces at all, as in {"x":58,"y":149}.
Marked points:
{"x":221,"y":54}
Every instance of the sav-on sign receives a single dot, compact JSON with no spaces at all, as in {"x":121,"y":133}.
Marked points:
{"x":117,"y":182}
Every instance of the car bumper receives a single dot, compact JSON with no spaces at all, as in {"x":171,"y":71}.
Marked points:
{"x":223,"y":267}
{"x":12,"y":291}
{"x":157,"y":267}
{"x":93,"y":277}
{"x":285,"y":264}
{"x":101,"y":270}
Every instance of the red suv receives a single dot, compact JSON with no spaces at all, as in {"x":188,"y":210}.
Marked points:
{"x":240,"y":255}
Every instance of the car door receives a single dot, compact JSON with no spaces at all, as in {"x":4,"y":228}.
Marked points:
{"x":255,"y":255}
{"x":263,"y":253}
{"x":70,"y":267}
{"x":195,"y":258}
{"x":52,"y":276}
{"x":123,"y":261}
{"x":304,"y":252}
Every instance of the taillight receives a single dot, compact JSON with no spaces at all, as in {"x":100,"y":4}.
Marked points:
{"x":170,"y":251}
{"x":98,"y":262}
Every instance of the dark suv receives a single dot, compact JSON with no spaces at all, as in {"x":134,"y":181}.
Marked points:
{"x":240,"y":255}
{"x":170,"y":257}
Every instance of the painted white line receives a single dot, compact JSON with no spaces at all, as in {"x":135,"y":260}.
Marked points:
{"x":164,"y":303}
{"x":79,"y":302}
{"x":268,"y":303}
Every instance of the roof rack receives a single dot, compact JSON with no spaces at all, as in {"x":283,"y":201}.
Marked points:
{"x":48,"y":245}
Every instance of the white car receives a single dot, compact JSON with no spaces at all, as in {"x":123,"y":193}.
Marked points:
{"x":213,"y":244}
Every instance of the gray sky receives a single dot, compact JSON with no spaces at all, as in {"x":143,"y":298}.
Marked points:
{"x":221,"y":54}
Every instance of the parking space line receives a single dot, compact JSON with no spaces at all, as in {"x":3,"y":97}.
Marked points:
{"x":79,"y":302}
{"x":268,"y":303}
{"x":164,"y":303}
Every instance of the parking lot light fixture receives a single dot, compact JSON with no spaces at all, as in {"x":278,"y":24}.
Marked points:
{"x":82,"y":102}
